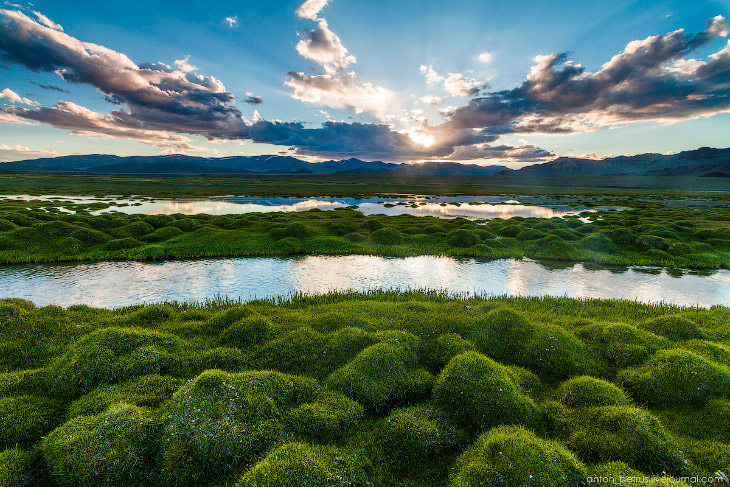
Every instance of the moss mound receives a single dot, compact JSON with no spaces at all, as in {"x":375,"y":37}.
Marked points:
{"x":381,"y":376}
{"x":627,"y":434}
{"x":676,"y":377}
{"x":557,"y":354}
{"x":117,"y":447}
{"x":90,"y":237}
{"x":619,"y":474}
{"x":710,"y":422}
{"x":305,"y":465}
{"x":24,"y":419}
{"x":525,"y":380}
{"x":480,"y":393}
{"x":290,"y":245}
{"x":716,"y":352}
{"x":387,"y":236}
{"x":149,"y":391}
{"x":162,"y":234}
{"x":674,"y":328}
{"x":220,"y":421}
{"x":20,"y":468}
{"x":121,"y":244}
{"x":228,"y":317}
{"x":246,"y":332}
{"x":415,"y":434}
{"x":24,"y":382}
{"x":112,"y":355}
{"x":708,"y":456}
{"x":6,"y":225}
{"x":294,"y":230}
{"x":548,"y":350}
{"x":505,"y":335}
{"x":588,"y":391}
{"x":308,"y":352}
{"x":448,"y":346}
{"x":150,"y":316}
{"x":463,"y":238}
{"x":327,"y":419}
{"x":619,"y":345}
{"x":511,"y":456}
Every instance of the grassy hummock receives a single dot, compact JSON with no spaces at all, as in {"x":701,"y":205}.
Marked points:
{"x":375,"y":389}
{"x":507,"y":456}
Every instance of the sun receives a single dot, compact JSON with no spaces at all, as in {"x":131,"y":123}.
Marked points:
{"x":426,"y":140}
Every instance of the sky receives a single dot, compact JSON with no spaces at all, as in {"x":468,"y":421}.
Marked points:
{"x":472,"y":81}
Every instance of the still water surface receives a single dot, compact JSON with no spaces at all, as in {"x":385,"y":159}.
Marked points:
{"x":114,"y":284}
{"x":471,"y":207}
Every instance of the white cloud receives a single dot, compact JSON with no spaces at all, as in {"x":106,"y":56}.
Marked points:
{"x":432,"y":77}
{"x":19,"y":153}
{"x":685,"y":67}
{"x":336,"y":88}
{"x":47,"y":22}
{"x":232,"y":21}
{"x":184,"y":66}
{"x":310,"y":9}
{"x":718,"y":26}
{"x":431,"y":100}
{"x":181,"y":148}
{"x":458,"y":85}
{"x":485,"y":57}
{"x":324,"y":47}
{"x":341,"y":91}
{"x":13,"y":97}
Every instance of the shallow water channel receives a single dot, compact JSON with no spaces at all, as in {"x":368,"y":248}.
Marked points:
{"x":115,"y":284}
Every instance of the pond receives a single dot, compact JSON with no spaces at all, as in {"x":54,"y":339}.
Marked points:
{"x":471,"y":207}
{"x":115,"y":284}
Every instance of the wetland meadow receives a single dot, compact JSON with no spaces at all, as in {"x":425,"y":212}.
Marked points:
{"x":332,"y":340}
{"x":337,"y":243}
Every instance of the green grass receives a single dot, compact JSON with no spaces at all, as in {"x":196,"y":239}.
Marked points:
{"x":362,"y":185}
{"x":374,"y":389}
{"x":649,"y":234}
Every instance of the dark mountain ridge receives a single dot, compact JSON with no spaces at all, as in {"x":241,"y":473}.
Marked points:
{"x":705,"y":161}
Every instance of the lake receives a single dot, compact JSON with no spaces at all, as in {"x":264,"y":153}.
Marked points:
{"x":471,"y":207}
{"x":115,"y":284}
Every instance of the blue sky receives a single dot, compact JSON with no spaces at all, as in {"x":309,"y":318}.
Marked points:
{"x":470,"y":81}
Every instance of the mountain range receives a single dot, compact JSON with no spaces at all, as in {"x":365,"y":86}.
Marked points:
{"x":705,"y":162}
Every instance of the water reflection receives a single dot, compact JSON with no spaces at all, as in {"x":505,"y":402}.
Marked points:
{"x":472,"y":207}
{"x":113,"y":284}
{"x":472,"y":211}
{"x":218,"y":207}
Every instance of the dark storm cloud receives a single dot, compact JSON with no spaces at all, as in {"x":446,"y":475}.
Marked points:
{"x":253,"y":100}
{"x":371,"y":141}
{"x":155,"y":96}
{"x":49,"y":87}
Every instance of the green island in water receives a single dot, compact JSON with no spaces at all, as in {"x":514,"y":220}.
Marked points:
{"x":639,"y":228}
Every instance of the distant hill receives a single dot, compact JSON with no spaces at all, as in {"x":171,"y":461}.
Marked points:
{"x":180,"y":164}
{"x":705,"y":162}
